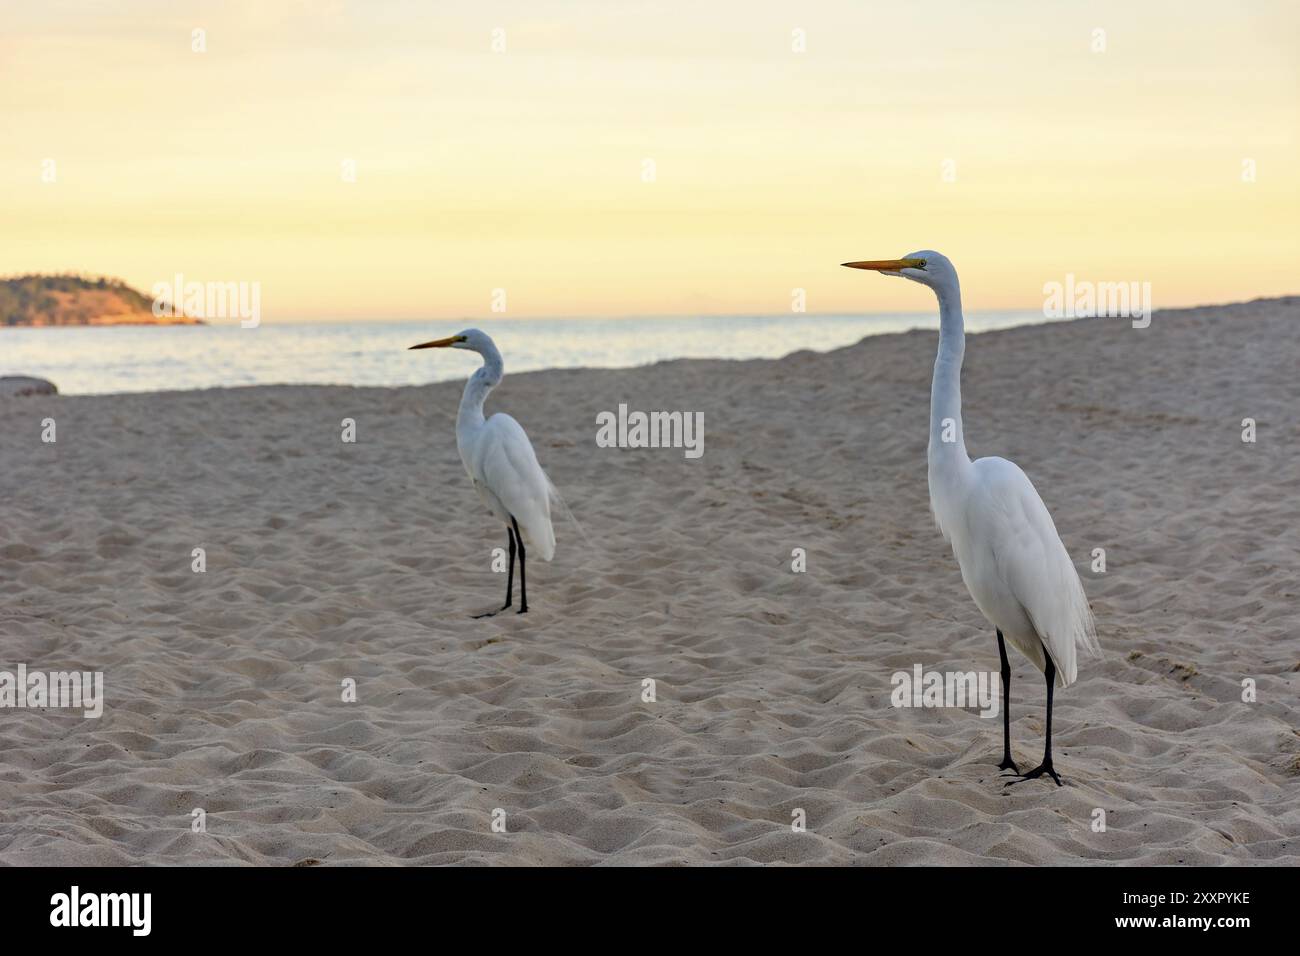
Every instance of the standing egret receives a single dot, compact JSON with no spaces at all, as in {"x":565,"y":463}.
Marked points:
{"x":501,"y":462}
{"x":1012,"y":560}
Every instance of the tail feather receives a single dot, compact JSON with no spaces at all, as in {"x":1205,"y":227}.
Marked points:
{"x":558,"y":499}
{"x":1080,"y":632}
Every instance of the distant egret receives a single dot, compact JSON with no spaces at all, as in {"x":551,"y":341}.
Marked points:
{"x":501,"y":462}
{"x":1011,"y":558}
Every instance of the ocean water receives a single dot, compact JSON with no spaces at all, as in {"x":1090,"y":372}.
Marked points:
{"x":97,"y":361}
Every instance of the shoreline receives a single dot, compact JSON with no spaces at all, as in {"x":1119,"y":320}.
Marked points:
{"x":927,"y":315}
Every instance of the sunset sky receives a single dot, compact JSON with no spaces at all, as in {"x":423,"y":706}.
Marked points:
{"x":523,"y":169}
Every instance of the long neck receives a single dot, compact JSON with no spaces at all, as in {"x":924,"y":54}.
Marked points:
{"x":477,"y":388}
{"x":947,"y":442}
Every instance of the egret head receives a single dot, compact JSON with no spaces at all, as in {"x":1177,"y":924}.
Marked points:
{"x":926,"y":267}
{"x":471,"y":339}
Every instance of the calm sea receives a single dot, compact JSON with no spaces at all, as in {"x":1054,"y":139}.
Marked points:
{"x":96,"y":361}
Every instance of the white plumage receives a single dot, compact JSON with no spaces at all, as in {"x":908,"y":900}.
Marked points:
{"x":1014,"y":564}
{"x":500,"y":461}
{"x":1012,"y":560}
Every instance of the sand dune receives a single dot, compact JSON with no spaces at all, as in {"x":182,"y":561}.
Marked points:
{"x":327,"y":561}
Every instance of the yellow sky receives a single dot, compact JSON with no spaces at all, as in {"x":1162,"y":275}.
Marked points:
{"x":523,"y":169}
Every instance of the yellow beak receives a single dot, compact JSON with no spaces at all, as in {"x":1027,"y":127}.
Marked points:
{"x":440,"y":343}
{"x":886,"y":265}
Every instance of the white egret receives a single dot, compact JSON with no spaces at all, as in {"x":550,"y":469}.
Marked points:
{"x":1012,"y":560}
{"x":501,"y":462}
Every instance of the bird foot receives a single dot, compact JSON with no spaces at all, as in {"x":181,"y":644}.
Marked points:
{"x":522,"y":610}
{"x":1044,"y":768}
{"x":1008,"y":764}
{"x":504,"y":607}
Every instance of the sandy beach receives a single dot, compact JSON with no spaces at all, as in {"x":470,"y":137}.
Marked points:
{"x":328,"y":561}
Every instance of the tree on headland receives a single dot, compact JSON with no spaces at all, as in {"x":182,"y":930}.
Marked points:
{"x":75,"y":299}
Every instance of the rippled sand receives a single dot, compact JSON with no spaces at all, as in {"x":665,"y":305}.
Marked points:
{"x":328,"y":561}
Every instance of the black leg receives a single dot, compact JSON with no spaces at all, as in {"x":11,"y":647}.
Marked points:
{"x":510,"y":574}
{"x":523,"y":590}
{"x":1007,"y":763}
{"x":510,"y":579}
{"x":1046,"y":766}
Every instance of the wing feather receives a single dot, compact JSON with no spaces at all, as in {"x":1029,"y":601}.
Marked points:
{"x":508,"y":467}
{"x":1034,"y":565}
